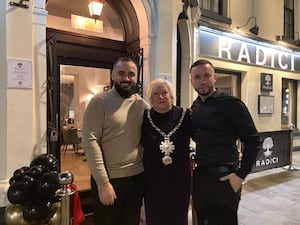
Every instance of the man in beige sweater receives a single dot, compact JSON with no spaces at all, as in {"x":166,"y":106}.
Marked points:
{"x":111,"y":140}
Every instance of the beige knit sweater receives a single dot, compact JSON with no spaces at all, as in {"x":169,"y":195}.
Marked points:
{"x":111,"y":136}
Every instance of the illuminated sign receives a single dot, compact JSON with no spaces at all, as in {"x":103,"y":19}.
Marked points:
{"x":84,"y":23}
{"x":244,"y":50}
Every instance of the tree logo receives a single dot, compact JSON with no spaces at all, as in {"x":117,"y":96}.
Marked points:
{"x":267,"y":145}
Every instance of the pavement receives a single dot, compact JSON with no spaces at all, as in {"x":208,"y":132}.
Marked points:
{"x":270,"y":197}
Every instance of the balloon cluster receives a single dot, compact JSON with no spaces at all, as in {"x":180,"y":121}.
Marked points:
{"x":32,"y":191}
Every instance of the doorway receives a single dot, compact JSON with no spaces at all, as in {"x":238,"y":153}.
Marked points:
{"x":79,"y":67}
{"x":289,"y":104}
{"x":78,"y":84}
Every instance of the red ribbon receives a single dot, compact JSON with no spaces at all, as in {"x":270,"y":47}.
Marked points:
{"x":78,"y":215}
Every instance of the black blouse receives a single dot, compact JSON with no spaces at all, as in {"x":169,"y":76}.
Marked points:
{"x":151,"y":139}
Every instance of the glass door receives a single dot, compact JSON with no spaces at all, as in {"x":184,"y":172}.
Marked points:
{"x":78,"y":84}
{"x":289,"y":104}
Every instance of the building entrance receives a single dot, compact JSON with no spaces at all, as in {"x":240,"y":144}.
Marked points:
{"x":79,"y":66}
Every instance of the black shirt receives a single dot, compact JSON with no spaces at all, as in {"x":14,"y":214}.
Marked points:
{"x":218,"y":123}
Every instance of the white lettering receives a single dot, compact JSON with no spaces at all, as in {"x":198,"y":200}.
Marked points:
{"x":292,"y":63}
{"x":257,"y":163}
{"x":272,"y":59}
{"x":231,"y":49}
{"x":224,"y":46}
{"x":244,"y":53}
{"x":267,"y":162}
{"x":260,"y":52}
{"x":280,"y":56}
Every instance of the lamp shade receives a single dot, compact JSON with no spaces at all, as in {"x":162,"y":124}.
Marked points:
{"x":95,"y":8}
{"x":254,"y":30}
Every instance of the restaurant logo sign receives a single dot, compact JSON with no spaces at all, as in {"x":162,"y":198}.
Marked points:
{"x":266,"y":82}
{"x":233,"y":47}
{"x":267,"y":145}
{"x":275,"y":150}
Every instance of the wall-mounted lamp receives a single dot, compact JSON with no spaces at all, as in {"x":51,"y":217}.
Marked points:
{"x":254,"y":29}
{"x":20,"y":4}
{"x":95,"y":8}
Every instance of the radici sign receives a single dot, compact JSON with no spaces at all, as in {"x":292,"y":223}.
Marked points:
{"x":244,"y":50}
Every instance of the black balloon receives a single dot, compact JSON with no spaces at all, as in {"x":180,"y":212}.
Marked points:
{"x":16,"y":193}
{"x":48,"y":184}
{"x":36,"y":213}
{"x":28,"y":182}
{"x":33,"y":189}
{"x":13,"y":180}
{"x":49,"y":161}
{"x":21,"y":172}
{"x":37,"y":170}
{"x":55,"y":214}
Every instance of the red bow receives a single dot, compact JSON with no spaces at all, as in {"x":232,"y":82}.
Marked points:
{"x":78,"y":215}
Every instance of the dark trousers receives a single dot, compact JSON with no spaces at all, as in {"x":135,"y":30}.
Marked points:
{"x":214,"y":201}
{"x":126,"y":208}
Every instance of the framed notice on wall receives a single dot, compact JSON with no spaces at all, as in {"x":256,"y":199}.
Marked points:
{"x":265,"y":104}
{"x":19,"y":73}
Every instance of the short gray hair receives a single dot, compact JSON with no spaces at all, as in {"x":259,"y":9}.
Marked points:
{"x":154,"y":84}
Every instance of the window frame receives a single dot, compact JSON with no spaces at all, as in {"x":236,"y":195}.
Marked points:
{"x":289,"y":19}
{"x":210,"y":13}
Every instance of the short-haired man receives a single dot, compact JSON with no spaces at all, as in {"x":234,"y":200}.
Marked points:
{"x":111,"y":139}
{"x":218,"y":121}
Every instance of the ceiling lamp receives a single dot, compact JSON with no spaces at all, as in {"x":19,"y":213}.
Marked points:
{"x":95,"y":8}
{"x":254,"y":29}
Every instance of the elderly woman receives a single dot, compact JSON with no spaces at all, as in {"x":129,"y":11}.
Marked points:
{"x":166,"y":138}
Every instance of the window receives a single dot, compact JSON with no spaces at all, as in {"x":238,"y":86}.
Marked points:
{"x":289,"y":19}
{"x":212,"y":5}
{"x":215,"y":9}
{"x":229,"y":82}
{"x":289,"y":103}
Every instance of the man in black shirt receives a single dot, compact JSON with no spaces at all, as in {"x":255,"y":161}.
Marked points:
{"x":218,"y":122}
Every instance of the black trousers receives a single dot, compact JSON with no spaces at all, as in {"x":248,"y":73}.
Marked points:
{"x":215,"y":202}
{"x":127,"y":207}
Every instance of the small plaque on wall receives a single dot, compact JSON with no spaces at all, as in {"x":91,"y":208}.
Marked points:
{"x":19,"y":73}
{"x":266,"y":82}
{"x":265,"y":104}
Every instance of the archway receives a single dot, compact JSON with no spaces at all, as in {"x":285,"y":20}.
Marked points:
{"x":78,"y":50}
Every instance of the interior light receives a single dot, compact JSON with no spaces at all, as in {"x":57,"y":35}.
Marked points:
{"x":95,"y":8}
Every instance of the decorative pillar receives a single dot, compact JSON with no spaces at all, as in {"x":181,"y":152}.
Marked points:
{"x":23,"y":108}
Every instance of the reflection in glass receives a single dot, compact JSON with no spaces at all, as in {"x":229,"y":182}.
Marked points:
{"x":77,"y":86}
